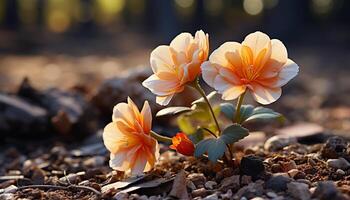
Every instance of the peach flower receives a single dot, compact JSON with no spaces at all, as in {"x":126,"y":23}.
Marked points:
{"x":259,"y":65}
{"x":128,"y":138}
{"x":177,"y":64}
{"x":182,"y":144}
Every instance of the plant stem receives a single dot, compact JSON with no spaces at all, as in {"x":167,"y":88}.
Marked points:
{"x":209,"y":131}
{"x":161,"y":138}
{"x":196,"y":86}
{"x":238,"y":109}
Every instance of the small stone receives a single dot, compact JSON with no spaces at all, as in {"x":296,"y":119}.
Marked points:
{"x":210,"y":185}
{"x":335,"y":147}
{"x":289,"y":165}
{"x":304,"y":181}
{"x":143,"y":197}
{"x":250,"y":191}
{"x":277,"y":142}
{"x":299,"y":190}
{"x":276,"y":168}
{"x":296,"y":174}
{"x":326,"y":190}
{"x":227,"y":195}
{"x":197,"y":178}
{"x":340,"y":172}
{"x":339,"y":163}
{"x":306,"y":133}
{"x":271,"y":194}
{"x":201,"y":192}
{"x":7,"y":196}
{"x":226,"y":172}
{"x":230,"y":182}
{"x":245,"y":180}
{"x":278,"y":183}
{"x":252,"y":166}
{"x":190,"y":185}
{"x":10,"y":189}
{"x":211,"y":197}
{"x":257,"y":198}
{"x":121,"y":196}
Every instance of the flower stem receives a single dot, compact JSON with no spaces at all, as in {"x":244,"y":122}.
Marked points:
{"x":238,"y":109}
{"x":160,"y":138}
{"x":196,"y":86}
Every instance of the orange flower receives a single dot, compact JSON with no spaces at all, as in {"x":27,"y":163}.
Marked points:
{"x":259,"y":65}
{"x":182,"y":144}
{"x":177,"y":64}
{"x":128,"y":138}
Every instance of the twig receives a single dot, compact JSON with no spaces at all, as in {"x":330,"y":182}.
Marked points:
{"x":58,"y":187}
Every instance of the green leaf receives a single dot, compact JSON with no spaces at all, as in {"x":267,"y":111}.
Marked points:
{"x":233,"y":134}
{"x":246,"y":111}
{"x":264,"y":114}
{"x":173,"y":111}
{"x":214,"y":147}
{"x":197,"y":136}
{"x":228,"y":109}
{"x":185,"y":125}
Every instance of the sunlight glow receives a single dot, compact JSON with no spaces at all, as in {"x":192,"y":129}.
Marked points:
{"x":253,"y":7}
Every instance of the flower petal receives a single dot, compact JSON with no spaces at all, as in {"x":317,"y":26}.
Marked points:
{"x":209,"y":72}
{"x":164,"y":100}
{"x":227,"y":55}
{"x":181,"y":42}
{"x":139,"y":163}
{"x":146,"y":117}
{"x":112,"y":137}
{"x":288,"y":71}
{"x":161,"y":60}
{"x":265,"y":95}
{"x":256,"y":42}
{"x":118,"y":161}
{"x":159,"y":86}
{"x":233,"y":92}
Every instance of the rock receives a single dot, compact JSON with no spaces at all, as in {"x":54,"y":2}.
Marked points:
{"x":245,"y":180}
{"x":257,"y":198}
{"x":197,"y":178}
{"x":250,"y":191}
{"x":231,"y":182}
{"x":296,"y":174}
{"x":201,"y":192}
{"x":20,"y":118}
{"x":299,"y":190}
{"x":339,"y":163}
{"x":271,"y":194}
{"x":326,"y":190}
{"x":210,"y":185}
{"x":288,"y":165}
{"x":179,"y":189}
{"x":121,"y":196}
{"x":305,"y":133}
{"x":190,"y":185}
{"x":278,"y":183}
{"x":252,"y":139}
{"x":227,"y":195}
{"x":340,"y":172}
{"x":226,"y":172}
{"x":252,"y":165}
{"x":10,"y":189}
{"x":211,"y":197}
{"x":304,"y":181}
{"x":7,"y":196}
{"x":335,"y":147}
{"x":277,"y":142}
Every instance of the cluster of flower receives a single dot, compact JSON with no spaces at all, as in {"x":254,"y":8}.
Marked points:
{"x":258,"y":65}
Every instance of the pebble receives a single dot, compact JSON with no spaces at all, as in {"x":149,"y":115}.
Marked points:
{"x":326,"y":190}
{"x":271,"y":194}
{"x":121,"y":196}
{"x":227,"y":195}
{"x":335,"y":147}
{"x":201,"y":192}
{"x":10,"y":189}
{"x":340,"y":172}
{"x":304,"y":181}
{"x":245,"y":180}
{"x":257,"y":198}
{"x":197,"y":178}
{"x":210,"y":185}
{"x":289,"y":165}
{"x":226,"y":172}
{"x":299,"y":190}
{"x":252,"y":165}
{"x":296,"y":174}
{"x":250,"y":191}
{"x":278,"y":183}
{"x":95,"y":161}
{"x":191,"y":185}
{"x":277,"y":142}
{"x":211,"y":197}
{"x":7,"y":196}
{"x":339,"y":163}
{"x":232,"y":182}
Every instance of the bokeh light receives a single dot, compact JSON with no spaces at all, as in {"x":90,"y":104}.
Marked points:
{"x":253,"y":7}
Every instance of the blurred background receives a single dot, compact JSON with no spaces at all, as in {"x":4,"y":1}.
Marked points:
{"x":60,"y":43}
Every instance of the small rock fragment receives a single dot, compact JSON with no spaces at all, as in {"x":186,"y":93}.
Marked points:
{"x":288,"y":165}
{"x":278,"y":183}
{"x":252,"y":165}
{"x":190,"y":185}
{"x":326,"y":190}
{"x":339,"y":163}
{"x":340,"y":172}
{"x":335,"y":147}
{"x":250,"y":191}
{"x":211,"y":197}
{"x":271,"y":194}
{"x":227,"y":195}
{"x":121,"y":196}
{"x":197,"y":178}
{"x":7,"y":196}
{"x":179,"y":189}
{"x":298,"y":190}
{"x":277,"y":142}
{"x":231,"y":182}
{"x":210,"y":185}
{"x":201,"y":192}
{"x":95,"y":161}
